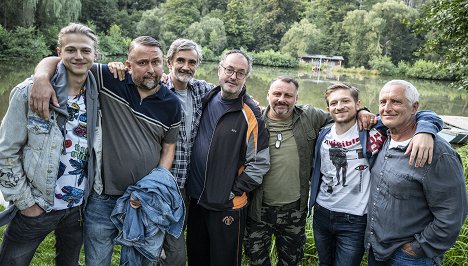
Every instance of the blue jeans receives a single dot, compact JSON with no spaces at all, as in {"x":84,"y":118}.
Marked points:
{"x":99,"y":231}
{"x":24,"y":234}
{"x":400,"y":258}
{"x":339,"y":237}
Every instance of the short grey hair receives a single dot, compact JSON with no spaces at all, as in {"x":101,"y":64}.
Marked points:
{"x":145,"y":41}
{"x":411,"y":93}
{"x":184,"y":45}
{"x":236,"y":51}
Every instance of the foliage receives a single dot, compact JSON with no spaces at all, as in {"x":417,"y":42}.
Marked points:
{"x":384,"y":65}
{"x":102,"y":13}
{"x":177,"y":16}
{"x":301,"y":39}
{"x":208,"y":55}
{"x":210,"y":33}
{"x":113,"y":43}
{"x":363,"y":37}
{"x":22,"y":43}
{"x":237,"y":25}
{"x":428,"y":70}
{"x":448,"y":24}
{"x":396,"y":36}
{"x":273,"y":21}
{"x":274,"y":58}
{"x":150,"y":23}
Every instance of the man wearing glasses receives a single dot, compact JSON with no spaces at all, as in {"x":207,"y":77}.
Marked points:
{"x":229,"y":158}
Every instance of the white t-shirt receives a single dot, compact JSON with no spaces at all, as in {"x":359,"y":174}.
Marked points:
{"x":73,"y":170}
{"x":345,"y":173}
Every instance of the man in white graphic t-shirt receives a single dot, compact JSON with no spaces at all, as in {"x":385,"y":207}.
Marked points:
{"x":341,"y":176}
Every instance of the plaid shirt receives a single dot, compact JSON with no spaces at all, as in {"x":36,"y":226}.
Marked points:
{"x":180,"y":167}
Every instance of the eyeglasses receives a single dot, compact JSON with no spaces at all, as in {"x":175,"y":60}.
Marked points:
{"x":279,"y":138}
{"x":229,"y":72}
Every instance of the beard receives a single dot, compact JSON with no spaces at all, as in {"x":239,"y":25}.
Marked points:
{"x":183,"y":77}
{"x":147,"y":82}
{"x":281,"y":111}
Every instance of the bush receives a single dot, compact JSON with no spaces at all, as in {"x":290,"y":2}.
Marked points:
{"x":113,"y":43}
{"x":429,"y":70}
{"x":274,"y":58}
{"x":22,"y":43}
{"x":383,"y":64}
{"x":208,"y":55}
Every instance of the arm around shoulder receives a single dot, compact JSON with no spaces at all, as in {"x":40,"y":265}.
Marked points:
{"x":42,"y":92}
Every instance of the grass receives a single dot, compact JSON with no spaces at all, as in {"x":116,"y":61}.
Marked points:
{"x":457,"y":255}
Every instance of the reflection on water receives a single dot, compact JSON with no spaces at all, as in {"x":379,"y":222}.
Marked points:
{"x":435,"y":95}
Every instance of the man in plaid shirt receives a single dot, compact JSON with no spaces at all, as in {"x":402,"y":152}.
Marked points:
{"x":183,"y":58}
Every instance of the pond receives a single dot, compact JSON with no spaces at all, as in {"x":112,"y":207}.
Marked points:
{"x":435,"y":95}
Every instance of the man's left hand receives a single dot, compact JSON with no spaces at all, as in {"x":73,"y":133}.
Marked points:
{"x":420,"y":149}
{"x":366,"y":120}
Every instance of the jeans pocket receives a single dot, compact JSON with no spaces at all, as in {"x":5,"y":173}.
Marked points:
{"x":356,"y":219}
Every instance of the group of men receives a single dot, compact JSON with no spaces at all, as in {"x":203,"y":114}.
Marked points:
{"x":245,"y":174}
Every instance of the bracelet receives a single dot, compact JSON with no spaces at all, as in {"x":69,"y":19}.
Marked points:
{"x":363,"y":108}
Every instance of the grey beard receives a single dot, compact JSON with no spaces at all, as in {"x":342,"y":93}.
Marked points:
{"x":149,"y":85}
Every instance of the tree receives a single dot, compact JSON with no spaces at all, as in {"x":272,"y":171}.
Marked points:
{"x":396,"y":37}
{"x":273,"y":19}
{"x":363,"y":37}
{"x":328,"y":16}
{"x":448,"y":24}
{"x":102,"y":13}
{"x":209,"y":33}
{"x":178,"y":15}
{"x":150,"y":23}
{"x":302,"y":38}
{"x":238,"y":25}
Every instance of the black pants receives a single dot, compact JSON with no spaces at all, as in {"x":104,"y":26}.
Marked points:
{"x":24,"y":234}
{"x":215,"y":237}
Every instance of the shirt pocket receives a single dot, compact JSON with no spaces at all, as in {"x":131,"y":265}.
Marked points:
{"x":37,"y":125}
{"x":402,"y":186}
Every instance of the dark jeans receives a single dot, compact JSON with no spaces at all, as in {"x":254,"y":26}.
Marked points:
{"x":400,"y":258}
{"x":24,"y":234}
{"x":215,"y":237}
{"x":339,"y":237}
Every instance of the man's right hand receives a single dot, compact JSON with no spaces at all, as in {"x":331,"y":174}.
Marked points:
{"x":41,"y":95}
{"x":32,"y":211}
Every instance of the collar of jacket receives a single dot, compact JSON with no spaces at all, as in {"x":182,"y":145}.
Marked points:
{"x":59,"y":83}
{"x":217,"y":89}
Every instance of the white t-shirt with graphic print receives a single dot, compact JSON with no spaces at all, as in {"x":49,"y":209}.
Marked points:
{"x":73,"y":169}
{"x":345,"y":173}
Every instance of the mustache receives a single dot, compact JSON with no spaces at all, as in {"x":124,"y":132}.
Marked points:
{"x":149,"y":76}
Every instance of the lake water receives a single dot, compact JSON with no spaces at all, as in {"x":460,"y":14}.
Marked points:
{"x":435,"y":95}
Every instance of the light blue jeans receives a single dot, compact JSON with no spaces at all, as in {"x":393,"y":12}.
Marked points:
{"x":99,"y":231}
